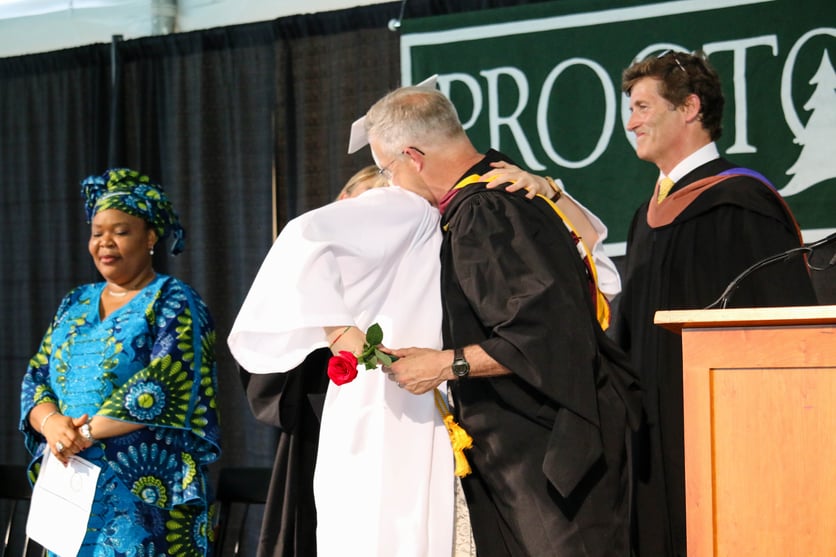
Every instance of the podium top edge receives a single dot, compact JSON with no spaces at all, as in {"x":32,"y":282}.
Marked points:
{"x":675,"y":320}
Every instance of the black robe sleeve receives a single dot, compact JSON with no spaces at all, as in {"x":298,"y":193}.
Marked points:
{"x":293,"y":403}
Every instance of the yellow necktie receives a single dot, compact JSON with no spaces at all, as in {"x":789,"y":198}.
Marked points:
{"x":665,"y":185}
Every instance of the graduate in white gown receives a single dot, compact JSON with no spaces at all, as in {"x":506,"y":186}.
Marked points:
{"x":384,"y":479}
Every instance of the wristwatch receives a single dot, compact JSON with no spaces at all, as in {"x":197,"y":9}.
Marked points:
{"x":460,"y":366}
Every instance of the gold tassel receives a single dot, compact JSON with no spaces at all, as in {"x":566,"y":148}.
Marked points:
{"x":459,"y":439}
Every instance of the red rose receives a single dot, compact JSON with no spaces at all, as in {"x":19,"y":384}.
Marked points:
{"x":342,"y":368}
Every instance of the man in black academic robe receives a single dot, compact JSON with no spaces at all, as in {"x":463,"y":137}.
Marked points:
{"x":682,"y":252}
{"x":549,"y":457}
{"x":547,"y":398}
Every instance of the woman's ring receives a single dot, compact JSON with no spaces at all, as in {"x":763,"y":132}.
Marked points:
{"x":59,"y":446}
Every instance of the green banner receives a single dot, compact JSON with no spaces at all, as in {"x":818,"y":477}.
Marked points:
{"x":542,"y":83}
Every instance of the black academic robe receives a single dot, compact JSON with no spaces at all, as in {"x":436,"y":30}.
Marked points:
{"x":687,"y":264}
{"x":293,"y":403}
{"x":550,"y":441}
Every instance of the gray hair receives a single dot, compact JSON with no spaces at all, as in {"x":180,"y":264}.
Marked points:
{"x":412,"y":116}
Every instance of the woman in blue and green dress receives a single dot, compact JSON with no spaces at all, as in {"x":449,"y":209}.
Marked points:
{"x":125,"y":377}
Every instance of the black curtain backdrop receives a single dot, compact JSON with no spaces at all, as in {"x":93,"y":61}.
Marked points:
{"x":54,"y":117}
{"x":245,"y":127}
{"x":198,"y":114}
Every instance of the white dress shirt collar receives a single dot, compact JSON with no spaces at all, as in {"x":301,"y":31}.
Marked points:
{"x":704,"y":154}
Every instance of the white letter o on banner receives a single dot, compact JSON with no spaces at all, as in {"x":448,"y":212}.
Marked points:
{"x":609,"y":113}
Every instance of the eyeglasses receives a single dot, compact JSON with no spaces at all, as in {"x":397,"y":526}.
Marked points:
{"x":675,"y":59}
{"x":386,"y":171}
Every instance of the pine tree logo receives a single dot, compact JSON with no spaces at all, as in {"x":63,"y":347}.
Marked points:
{"x":816,"y":162}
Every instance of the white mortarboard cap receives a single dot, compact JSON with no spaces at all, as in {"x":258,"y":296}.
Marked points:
{"x":358,"y":139}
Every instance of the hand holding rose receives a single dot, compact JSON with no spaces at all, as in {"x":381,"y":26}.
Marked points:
{"x":342,"y":367}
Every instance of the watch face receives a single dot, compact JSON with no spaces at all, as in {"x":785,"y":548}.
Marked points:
{"x":461,"y":368}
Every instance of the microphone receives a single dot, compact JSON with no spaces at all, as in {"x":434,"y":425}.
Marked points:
{"x":806,"y":249}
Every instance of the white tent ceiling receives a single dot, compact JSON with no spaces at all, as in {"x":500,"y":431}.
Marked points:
{"x":29,"y":26}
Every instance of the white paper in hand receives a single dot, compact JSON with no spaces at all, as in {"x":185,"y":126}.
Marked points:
{"x":61,"y":503}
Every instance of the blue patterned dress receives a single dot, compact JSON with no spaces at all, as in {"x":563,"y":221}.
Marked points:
{"x":149,"y":362}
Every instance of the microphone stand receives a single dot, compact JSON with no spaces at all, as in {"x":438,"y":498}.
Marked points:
{"x":806,"y":249}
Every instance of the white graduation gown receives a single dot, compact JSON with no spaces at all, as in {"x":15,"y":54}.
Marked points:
{"x":384,"y":481}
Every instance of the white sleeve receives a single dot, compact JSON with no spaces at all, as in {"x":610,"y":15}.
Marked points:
{"x":609,"y":281}
{"x":331,"y":266}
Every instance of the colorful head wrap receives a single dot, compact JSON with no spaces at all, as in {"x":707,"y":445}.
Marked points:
{"x":133,"y":193}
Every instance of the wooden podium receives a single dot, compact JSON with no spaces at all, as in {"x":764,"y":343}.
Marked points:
{"x":759,"y":393}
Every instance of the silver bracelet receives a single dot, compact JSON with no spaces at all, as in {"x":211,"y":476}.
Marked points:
{"x":85,"y":432}
{"x":45,"y":418}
